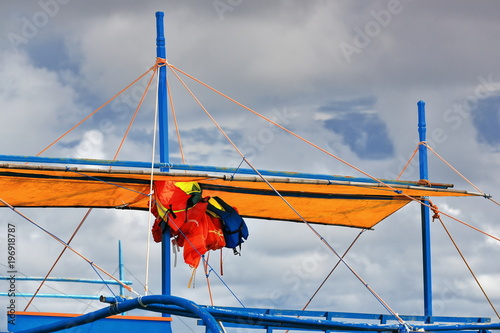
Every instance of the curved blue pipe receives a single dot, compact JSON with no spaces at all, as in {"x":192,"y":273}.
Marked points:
{"x":140,"y":302}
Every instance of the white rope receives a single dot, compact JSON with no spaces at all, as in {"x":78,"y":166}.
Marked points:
{"x":148,"y":240}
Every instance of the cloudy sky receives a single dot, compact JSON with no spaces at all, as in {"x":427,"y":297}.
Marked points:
{"x":345,"y":74}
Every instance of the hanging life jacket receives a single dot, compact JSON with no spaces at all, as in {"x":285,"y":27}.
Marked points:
{"x":172,"y":202}
{"x":200,"y":233}
{"x":180,"y":207}
{"x":234,"y":227}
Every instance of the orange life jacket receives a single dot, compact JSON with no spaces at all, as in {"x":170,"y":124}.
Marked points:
{"x":191,"y":226}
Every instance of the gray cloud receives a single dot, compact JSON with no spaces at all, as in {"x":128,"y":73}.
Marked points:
{"x":59,"y":60}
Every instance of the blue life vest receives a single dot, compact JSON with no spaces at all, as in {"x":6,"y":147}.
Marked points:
{"x":233,"y":226}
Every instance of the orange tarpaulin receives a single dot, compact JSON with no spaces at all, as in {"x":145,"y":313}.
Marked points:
{"x":353,"y":204}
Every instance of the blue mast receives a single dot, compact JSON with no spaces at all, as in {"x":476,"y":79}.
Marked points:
{"x":164,"y":154}
{"x":425,"y":212}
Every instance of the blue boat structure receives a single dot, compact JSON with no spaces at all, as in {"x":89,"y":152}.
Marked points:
{"x":150,"y":186}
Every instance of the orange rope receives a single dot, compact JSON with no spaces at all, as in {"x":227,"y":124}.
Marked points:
{"x":407,"y":163}
{"x":448,"y":164}
{"x":434,"y":208}
{"x":177,"y":131}
{"x":329,"y":274}
{"x":174,"y":69}
{"x":135,"y":114}
{"x":333,"y":269}
{"x":57,"y":260}
{"x":384,"y":304}
{"x":467,"y":180}
{"x":437,"y":212}
{"x":205,"y":268}
{"x":466,"y":263}
{"x":208,"y":114}
{"x":67,"y":246}
{"x":94,"y":112}
{"x":116,"y":155}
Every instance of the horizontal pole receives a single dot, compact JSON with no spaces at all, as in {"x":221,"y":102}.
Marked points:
{"x":80,"y":161}
{"x":189,"y":167}
{"x":136,"y":303}
{"x":323,"y":320}
{"x":23,"y":295}
{"x":55,"y":279}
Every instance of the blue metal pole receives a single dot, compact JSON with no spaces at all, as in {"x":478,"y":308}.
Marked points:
{"x":127,"y":305}
{"x":164,"y":154}
{"x":120,"y":269}
{"x":191,"y":167}
{"x":426,"y":216}
{"x":162,"y":91}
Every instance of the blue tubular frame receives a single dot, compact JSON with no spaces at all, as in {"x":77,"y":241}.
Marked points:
{"x":426,"y":215}
{"x":200,"y":168}
{"x":128,"y":305}
{"x":269,"y":319}
{"x":161,"y":53}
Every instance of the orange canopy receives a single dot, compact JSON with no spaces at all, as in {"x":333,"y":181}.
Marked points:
{"x":354,"y":204}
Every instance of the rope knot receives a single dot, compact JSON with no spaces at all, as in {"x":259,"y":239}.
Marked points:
{"x":161,"y":62}
{"x":424,"y":182}
{"x":435,"y":210}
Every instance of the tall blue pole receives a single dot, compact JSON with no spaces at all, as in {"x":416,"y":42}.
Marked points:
{"x":426,"y":214}
{"x":120,"y":267}
{"x":164,"y":154}
{"x":162,"y":91}
{"x":120,"y":270}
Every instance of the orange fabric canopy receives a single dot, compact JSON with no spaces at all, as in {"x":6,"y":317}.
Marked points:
{"x":354,"y":204}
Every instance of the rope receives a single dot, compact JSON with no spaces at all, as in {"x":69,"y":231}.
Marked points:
{"x":333,"y":269}
{"x":408,"y":163}
{"x":382,"y":302}
{"x":436,"y":211}
{"x":436,"y":216}
{"x":329,"y":274}
{"x":467,"y":180}
{"x":236,"y":170}
{"x":89,"y":210}
{"x":66,"y":245}
{"x":57,"y":260}
{"x":174,"y":116}
{"x":174,"y":69}
{"x":148,"y":232}
{"x":94,"y":112}
{"x":103,"y":281}
{"x":207,"y":277}
{"x":208,"y":264}
{"x":460,"y":221}
{"x":135,"y":114}
{"x":105,"y":181}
